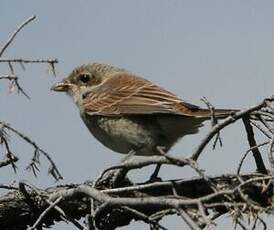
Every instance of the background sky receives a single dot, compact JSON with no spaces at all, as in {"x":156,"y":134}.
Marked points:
{"x":223,"y":50}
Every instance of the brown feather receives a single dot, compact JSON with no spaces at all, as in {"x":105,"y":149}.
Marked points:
{"x":125,"y":93}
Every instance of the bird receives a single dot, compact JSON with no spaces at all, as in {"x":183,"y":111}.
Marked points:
{"x":126,"y":112}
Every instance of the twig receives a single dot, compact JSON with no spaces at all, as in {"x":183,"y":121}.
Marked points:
{"x":261,"y":129}
{"x":270,"y":156}
{"x":214,"y":121}
{"x":262,"y":222}
{"x":9,"y":77}
{"x":90,"y":220}
{"x":144,"y":217}
{"x":8,"y":161}
{"x":206,"y":219}
{"x":265,"y":123}
{"x":65,"y":216}
{"x":26,"y":61}
{"x":50,"y":202}
{"x":191,"y":224}
{"x":54,"y":170}
{"x":14,"y":82}
{"x":28,"y":199}
{"x":22,"y":61}
{"x":159,"y":215}
{"x":9,"y":187}
{"x":224,"y":123}
{"x":191,"y":163}
{"x":246,"y":153}
{"x":43,"y":214}
{"x":241,"y":225}
{"x":10,"y":157}
{"x":252,"y":142}
{"x":11,"y":68}
{"x":2,"y":50}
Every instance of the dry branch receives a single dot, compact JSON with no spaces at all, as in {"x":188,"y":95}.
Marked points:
{"x":197,"y":201}
{"x":33,"y":166}
{"x":10,"y":158}
{"x":6,"y":45}
{"x":146,"y":199}
{"x":226,"y":122}
{"x":10,"y":61}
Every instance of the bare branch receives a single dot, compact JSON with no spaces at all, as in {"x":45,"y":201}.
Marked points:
{"x":9,"y":187}
{"x":143,"y":202}
{"x":214,"y":121}
{"x":53,"y":169}
{"x":226,"y":122}
{"x":11,"y":160}
{"x":46,"y":211}
{"x":26,"y":61}
{"x":252,"y":142}
{"x":5,"y":46}
{"x":247,"y":152}
{"x":192,"y":225}
{"x":14,"y":82}
{"x":270,"y":156}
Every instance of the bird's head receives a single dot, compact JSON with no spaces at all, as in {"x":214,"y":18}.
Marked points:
{"x":85,"y":78}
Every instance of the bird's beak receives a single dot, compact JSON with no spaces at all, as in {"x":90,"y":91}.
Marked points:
{"x":61,"y":86}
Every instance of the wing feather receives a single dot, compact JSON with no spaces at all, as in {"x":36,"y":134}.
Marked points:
{"x":125,"y":93}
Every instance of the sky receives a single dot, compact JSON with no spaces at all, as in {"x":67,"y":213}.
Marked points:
{"x":222,"y":50}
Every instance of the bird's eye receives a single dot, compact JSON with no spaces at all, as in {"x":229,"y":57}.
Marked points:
{"x":84,"y":78}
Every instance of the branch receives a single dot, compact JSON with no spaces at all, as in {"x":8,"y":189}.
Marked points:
{"x":23,"y":61}
{"x":229,"y":120}
{"x":193,"y":196}
{"x":8,"y":161}
{"x":253,"y":145}
{"x":47,"y":210}
{"x":14,"y":82}
{"x":53,"y":170}
{"x":27,"y":61}
{"x":5,"y":46}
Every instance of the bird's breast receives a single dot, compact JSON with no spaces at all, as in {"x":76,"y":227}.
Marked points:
{"x":120,"y":134}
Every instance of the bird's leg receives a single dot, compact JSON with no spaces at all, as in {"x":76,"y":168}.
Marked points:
{"x":120,"y":174}
{"x":154,"y":175}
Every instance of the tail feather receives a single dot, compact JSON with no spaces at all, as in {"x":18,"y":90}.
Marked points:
{"x":218,"y":113}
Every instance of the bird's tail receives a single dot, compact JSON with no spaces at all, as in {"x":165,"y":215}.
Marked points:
{"x":218,"y":113}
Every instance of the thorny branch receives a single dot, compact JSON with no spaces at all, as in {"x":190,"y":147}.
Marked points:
{"x":6,"y":45}
{"x":33,"y":166}
{"x":198,"y":201}
{"x":23,"y":61}
{"x":27,"y":61}
{"x":229,"y":120}
{"x":10,"y":158}
{"x":10,"y":61}
{"x":14,"y":84}
{"x":194,"y":201}
{"x":214,"y":122}
{"x":252,"y":142}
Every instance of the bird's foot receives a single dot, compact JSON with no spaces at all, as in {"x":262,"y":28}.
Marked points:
{"x":153,"y":179}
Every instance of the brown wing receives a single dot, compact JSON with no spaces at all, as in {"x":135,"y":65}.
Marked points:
{"x":127,"y":94}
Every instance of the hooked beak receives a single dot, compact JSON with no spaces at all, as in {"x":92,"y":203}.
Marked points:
{"x":61,"y":86}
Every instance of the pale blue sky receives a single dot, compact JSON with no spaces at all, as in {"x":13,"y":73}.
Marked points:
{"x":223,"y":50}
